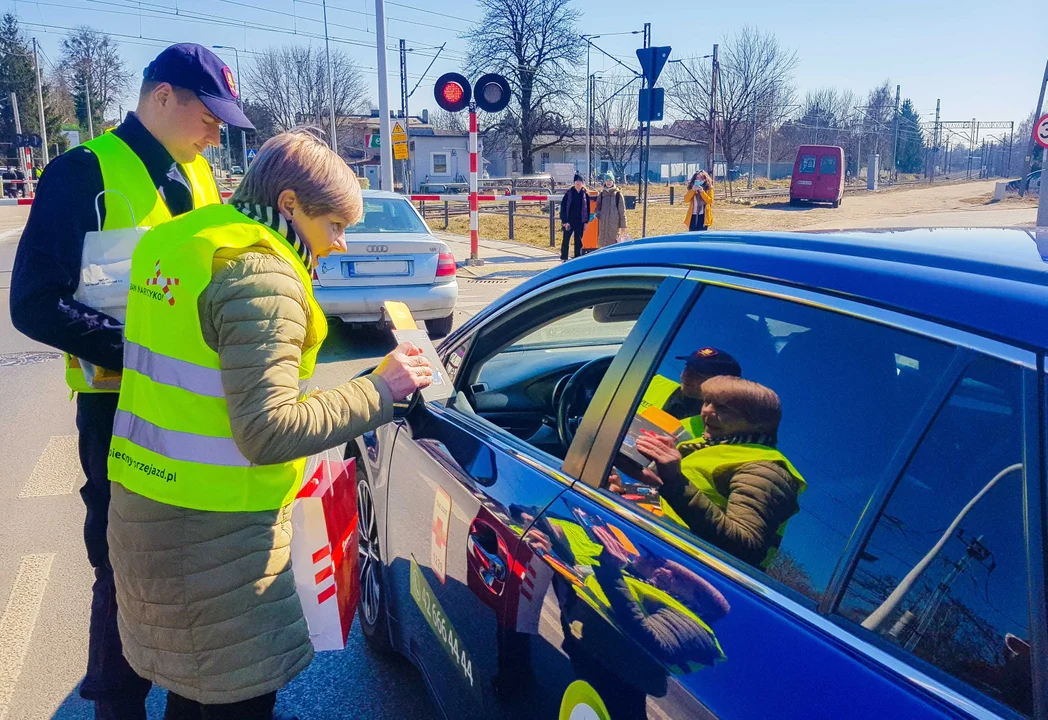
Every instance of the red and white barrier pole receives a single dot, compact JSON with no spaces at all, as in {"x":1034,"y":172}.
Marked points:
{"x":474,"y":226}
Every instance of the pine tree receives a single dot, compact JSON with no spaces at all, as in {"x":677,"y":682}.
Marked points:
{"x":911,"y":139}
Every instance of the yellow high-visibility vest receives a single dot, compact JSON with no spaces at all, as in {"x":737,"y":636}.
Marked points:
{"x":701,"y":466}
{"x":124,"y":172}
{"x":659,"y":391}
{"x":172,"y":440}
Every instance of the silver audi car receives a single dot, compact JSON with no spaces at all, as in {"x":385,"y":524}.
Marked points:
{"x":391,"y":255}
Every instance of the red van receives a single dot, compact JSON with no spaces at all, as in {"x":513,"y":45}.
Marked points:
{"x":818,"y":175}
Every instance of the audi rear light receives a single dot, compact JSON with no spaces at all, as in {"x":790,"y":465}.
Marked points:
{"x":446,"y":266}
{"x":316,"y":278}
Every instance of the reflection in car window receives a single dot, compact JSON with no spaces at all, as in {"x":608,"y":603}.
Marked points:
{"x":805,"y":411}
{"x":580,"y":328}
{"x":962,"y":605}
{"x":382,"y":215}
{"x":807,"y":164}
{"x":828,"y":165}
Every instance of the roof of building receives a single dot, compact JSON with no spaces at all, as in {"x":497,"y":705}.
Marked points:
{"x":990,"y":281}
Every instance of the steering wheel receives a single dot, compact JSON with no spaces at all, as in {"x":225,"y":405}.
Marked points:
{"x":577,"y":395}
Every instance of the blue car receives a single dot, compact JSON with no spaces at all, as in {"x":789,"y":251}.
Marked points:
{"x":746,"y":476}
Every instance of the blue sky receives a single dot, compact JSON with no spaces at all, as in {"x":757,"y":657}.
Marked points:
{"x":974,"y":58}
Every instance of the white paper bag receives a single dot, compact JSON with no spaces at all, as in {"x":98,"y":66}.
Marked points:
{"x":105,"y":265}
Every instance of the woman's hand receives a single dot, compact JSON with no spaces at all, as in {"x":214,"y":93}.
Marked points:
{"x":405,"y":370}
{"x":660,"y":448}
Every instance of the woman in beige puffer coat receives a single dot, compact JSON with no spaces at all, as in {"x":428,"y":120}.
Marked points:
{"x":207,"y":601}
{"x":611,"y":213}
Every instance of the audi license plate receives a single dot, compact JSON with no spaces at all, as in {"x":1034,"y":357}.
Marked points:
{"x":377,"y":267}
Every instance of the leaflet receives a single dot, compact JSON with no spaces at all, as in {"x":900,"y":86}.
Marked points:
{"x":405,"y":329}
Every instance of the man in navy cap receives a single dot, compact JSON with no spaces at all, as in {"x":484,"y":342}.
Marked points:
{"x":683,"y":400}
{"x":152,"y":169}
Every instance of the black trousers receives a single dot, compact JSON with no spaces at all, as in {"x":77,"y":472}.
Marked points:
{"x":577,"y":232}
{"x":110,"y":682}
{"x":698,"y":223}
{"x":257,"y":708}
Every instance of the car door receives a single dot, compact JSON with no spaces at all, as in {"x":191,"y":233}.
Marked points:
{"x":804,"y":183}
{"x":828,"y":176}
{"x":461,"y":492}
{"x":643,"y":617}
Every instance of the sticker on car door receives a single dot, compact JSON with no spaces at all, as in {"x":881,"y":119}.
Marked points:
{"x":439,"y":622}
{"x":438,"y":545}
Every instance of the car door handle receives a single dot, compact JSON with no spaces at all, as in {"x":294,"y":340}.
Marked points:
{"x":492,"y":567}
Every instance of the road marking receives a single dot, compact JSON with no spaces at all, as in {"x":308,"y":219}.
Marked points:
{"x":57,"y":470}
{"x":6,"y":235}
{"x":18,"y":621}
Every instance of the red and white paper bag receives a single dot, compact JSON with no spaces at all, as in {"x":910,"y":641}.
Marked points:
{"x":324,"y":550}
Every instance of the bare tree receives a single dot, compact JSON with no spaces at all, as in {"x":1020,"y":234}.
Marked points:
{"x":755,"y":80}
{"x":616,"y":135}
{"x":290,"y":84}
{"x":91,"y":59}
{"x":533,"y":43}
{"x":444,"y":120}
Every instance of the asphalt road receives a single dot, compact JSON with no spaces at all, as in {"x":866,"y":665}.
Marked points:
{"x":45,"y":578}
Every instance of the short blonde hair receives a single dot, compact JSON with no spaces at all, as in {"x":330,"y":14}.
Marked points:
{"x":758,"y":405}
{"x":298,"y":161}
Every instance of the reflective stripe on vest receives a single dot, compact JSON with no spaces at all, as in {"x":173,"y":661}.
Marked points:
{"x":702,"y":466}
{"x":172,"y":440}
{"x":124,"y":172}
{"x":659,"y":391}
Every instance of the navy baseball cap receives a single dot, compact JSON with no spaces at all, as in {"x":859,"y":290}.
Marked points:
{"x":712,"y":362}
{"x":195,"y":68}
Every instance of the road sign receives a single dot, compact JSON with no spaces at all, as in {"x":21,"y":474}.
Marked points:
{"x":1040,"y":131}
{"x":650,"y":105}
{"x":251,"y":153}
{"x":400,"y":151}
{"x":652,"y":60}
{"x":398,"y":134}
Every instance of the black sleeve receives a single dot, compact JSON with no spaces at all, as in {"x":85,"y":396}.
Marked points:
{"x":46,"y":270}
{"x":564,"y":207}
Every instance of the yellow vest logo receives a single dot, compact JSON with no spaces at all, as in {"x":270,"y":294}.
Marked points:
{"x":164,"y":283}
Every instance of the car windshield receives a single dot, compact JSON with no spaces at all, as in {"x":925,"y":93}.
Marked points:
{"x":382,"y":215}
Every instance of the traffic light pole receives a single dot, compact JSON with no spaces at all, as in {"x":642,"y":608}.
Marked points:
{"x":474,"y":226}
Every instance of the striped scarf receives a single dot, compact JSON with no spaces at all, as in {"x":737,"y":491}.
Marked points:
{"x":272,"y":219}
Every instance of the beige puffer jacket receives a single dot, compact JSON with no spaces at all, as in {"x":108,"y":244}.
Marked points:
{"x":207,"y":600}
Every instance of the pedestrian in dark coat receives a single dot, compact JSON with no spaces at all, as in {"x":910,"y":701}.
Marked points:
{"x":574,"y":213}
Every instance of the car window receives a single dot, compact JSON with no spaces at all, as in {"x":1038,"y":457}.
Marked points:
{"x":382,"y":215}
{"x":780,"y":467}
{"x":807,"y":165}
{"x":828,"y":165}
{"x":579,"y":328}
{"x":944,"y":574}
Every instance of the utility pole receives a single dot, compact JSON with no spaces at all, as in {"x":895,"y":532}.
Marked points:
{"x":385,"y":141}
{"x":404,"y":110}
{"x":1023,"y":186}
{"x":935,"y":144}
{"x":753,"y":144}
{"x":713,"y":114}
{"x":240,"y":102}
{"x":647,"y":145}
{"x":895,"y":141}
{"x":87,"y":97}
{"x":589,"y":109}
{"x":1011,"y":141}
{"x":40,"y":105}
{"x":331,"y":76}
{"x":18,"y":131}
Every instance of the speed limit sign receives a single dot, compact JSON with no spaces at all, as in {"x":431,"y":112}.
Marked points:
{"x":1040,"y":132}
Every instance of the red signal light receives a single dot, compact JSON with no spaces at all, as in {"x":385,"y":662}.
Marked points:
{"x":452,"y":92}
